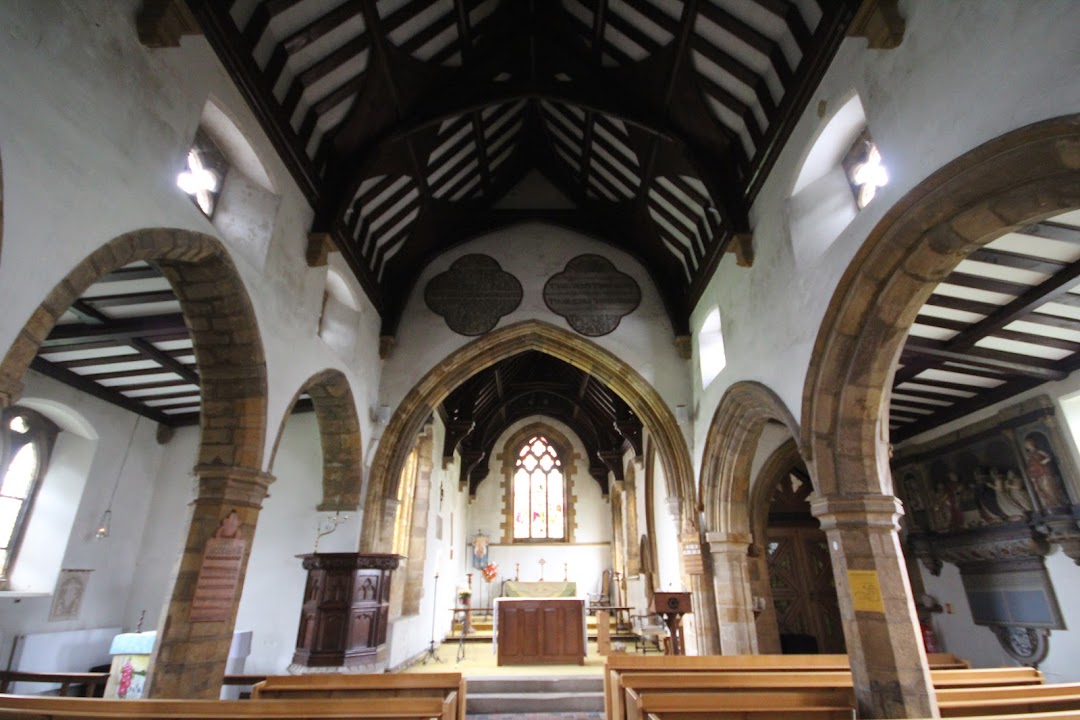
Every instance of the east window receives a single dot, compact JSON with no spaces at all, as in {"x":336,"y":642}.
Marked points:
{"x":539,"y":492}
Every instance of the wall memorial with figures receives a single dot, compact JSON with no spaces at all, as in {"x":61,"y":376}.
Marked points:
{"x":993,"y":499}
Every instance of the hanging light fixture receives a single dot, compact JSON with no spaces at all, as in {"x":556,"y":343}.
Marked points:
{"x":105,"y":523}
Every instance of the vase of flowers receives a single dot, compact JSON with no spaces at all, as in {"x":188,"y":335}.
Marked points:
{"x":490,"y":572}
{"x":464,"y":596}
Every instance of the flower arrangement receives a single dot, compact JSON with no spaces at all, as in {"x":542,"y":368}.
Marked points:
{"x":464,"y":594}
{"x":490,"y":571}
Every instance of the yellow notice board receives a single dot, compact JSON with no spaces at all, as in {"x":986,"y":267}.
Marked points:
{"x":866,"y":590}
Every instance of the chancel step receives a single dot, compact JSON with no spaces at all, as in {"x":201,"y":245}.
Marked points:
{"x":571,"y":694}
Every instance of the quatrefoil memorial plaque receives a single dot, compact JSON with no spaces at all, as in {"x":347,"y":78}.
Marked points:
{"x":473,"y":295}
{"x":592,"y":295}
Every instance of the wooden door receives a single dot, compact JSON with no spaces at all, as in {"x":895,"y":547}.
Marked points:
{"x":804,"y":594}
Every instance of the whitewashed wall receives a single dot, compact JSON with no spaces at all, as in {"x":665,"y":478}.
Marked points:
{"x":60,"y":531}
{"x":585,"y":558}
{"x":94,"y":128}
{"x":533,"y":253}
{"x":964,"y":74}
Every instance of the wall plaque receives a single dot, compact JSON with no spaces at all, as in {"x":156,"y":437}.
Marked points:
{"x":592,"y":295}
{"x":219,"y":574}
{"x":865,"y":591}
{"x":473,"y":294}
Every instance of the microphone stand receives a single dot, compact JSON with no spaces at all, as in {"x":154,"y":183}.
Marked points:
{"x":432,"y":653}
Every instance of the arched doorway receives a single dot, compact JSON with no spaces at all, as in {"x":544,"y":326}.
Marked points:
{"x":232,"y":374}
{"x":1021,"y":177}
{"x":730,"y":447}
{"x":799,"y":611}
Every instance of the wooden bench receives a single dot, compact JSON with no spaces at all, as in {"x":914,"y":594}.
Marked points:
{"x":339,"y":685}
{"x":26,"y":707}
{"x":88,"y":683}
{"x":618,"y":665}
{"x":964,"y":702}
{"x":787,"y":705}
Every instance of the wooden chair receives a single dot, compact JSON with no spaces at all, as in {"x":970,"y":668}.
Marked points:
{"x":649,"y":632}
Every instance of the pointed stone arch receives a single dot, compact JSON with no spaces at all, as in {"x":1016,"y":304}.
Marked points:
{"x":232,"y":376}
{"x":339,"y":435}
{"x":1019,"y":178}
{"x":730,"y":446}
{"x":228,"y":351}
{"x":505,"y":342}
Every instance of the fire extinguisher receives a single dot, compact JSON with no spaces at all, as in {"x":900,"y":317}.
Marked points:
{"x":929,"y":638}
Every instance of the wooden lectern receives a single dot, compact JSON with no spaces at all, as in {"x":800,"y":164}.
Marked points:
{"x":343,"y":620}
{"x":671,"y":606}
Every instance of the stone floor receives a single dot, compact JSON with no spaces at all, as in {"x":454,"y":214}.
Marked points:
{"x":540,"y":716}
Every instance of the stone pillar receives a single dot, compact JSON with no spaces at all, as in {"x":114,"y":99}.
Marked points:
{"x":768,"y":629}
{"x":387,"y":526}
{"x":888,"y":663}
{"x":734,"y":599}
{"x":196,"y":631}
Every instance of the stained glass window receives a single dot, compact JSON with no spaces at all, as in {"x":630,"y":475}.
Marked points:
{"x":28,"y":439}
{"x":539,"y":493}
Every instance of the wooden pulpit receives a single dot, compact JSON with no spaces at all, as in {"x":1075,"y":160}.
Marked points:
{"x":671,"y":606}
{"x":343,"y":620}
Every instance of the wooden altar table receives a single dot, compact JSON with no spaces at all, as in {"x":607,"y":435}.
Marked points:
{"x":540,"y":631}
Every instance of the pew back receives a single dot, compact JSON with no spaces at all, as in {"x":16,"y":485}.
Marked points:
{"x":1009,"y":700}
{"x":832,"y":704}
{"x":339,"y":685}
{"x":26,"y":707}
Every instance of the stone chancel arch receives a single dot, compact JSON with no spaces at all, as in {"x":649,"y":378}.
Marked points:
{"x":620,"y":377}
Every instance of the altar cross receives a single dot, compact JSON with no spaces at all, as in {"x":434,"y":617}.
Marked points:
{"x":543,"y":562}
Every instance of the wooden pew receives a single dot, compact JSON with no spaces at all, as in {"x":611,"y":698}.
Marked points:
{"x":340,"y":685}
{"x":87,"y":682}
{"x":617,"y":665}
{"x":964,"y":702}
{"x":787,"y":705}
{"x":632,"y":683}
{"x":27,"y":707}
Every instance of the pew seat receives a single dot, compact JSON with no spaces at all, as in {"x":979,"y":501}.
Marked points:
{"x":820,"y":704}
{"x":33,"y":707}
{"x":965,"y":702}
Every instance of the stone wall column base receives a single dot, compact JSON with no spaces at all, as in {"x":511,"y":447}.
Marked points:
{"x":888,"y":662}
{"x":734,"y":599}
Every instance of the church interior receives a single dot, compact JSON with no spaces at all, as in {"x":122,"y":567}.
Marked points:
{"x":447,"y":313}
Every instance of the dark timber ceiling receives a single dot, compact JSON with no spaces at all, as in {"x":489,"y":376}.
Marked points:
{"x":531,"y":384}
{"x":408,"y":123}
{"x":1005,"y":321}
{"x":125,"y":341}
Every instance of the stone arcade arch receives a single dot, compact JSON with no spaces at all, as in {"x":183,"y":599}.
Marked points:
{"x":339,"y":436}
{"x":505,"y":342}
{"x":729,"y":451}
{"x":232,"y":373}
{"x":1021,"y":177}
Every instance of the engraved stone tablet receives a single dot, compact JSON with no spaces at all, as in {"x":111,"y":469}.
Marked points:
{"x":219,"y":575}
{"x":592,"y":295}
{"x":473,"y":294}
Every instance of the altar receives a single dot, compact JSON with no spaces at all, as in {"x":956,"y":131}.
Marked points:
{"x":517,"y":588}
{"x":540,"y":631}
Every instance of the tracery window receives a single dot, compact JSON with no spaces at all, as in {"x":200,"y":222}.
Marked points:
{"x":539,"y":492}
{"x":28,"y":439}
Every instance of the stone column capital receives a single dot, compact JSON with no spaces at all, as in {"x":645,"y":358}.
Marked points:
{"x":726,"y":543}
{"x":233,"y":485}
{"x":862,"y":510}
